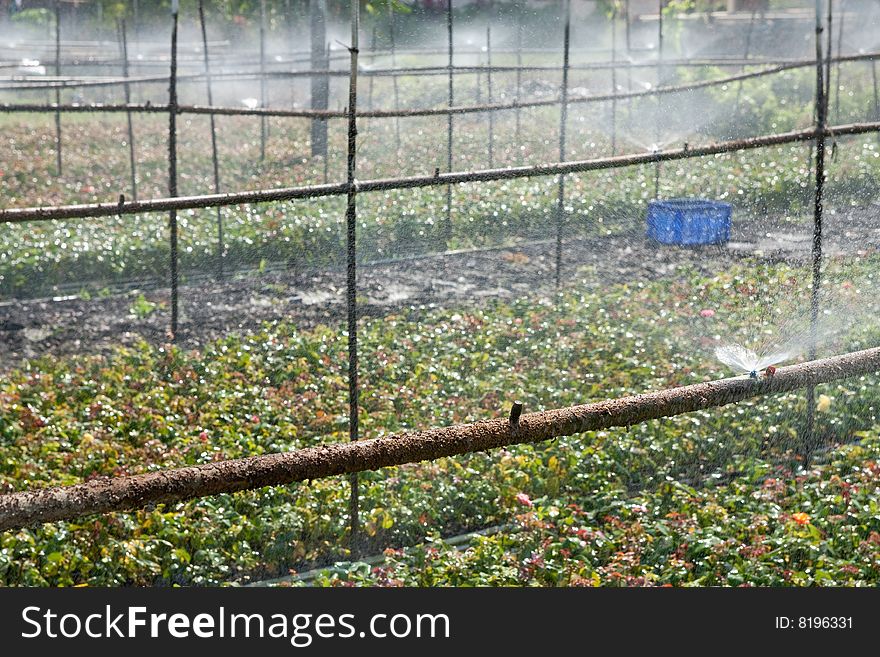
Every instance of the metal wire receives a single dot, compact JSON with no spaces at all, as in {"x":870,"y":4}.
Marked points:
{"x":439,"y":111}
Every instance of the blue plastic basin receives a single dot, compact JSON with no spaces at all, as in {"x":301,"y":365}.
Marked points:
{"x":689,"y":221}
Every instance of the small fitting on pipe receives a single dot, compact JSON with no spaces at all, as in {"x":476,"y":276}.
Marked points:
{"x":515,"y":411}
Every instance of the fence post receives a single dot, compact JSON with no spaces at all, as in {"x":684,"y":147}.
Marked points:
{"x":264,"y":92}
{"x":828,"y":49}
{"x":659,"y":42}
{"x":447,"y":228}
{"x":394,"y":79}
{"x":172,"y":164}
{"x":563,"y":120}
{"x":221,"y":246}
{"x":136,"y":19}
{"x":657,"y":166}
{"x":320,"y":84}
{"x":123,"y":36}
{"x":324,"y":122}
{"x":745,"y":57}
{"x":614,"y":80}
{"x":821,"y":119}
{"x":478,"y":87}
{"x":873,"y":63}
{"x":373,"y":60}
{"x":291,"y":30}
{"x":519,"y":38}
{"x":351,"y":267}
{"x":58,"y":169}
{"x":489,"y":95}
{"x":839,"y":53}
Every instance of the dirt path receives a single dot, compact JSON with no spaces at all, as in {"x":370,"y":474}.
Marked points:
{"x":211,"y":310}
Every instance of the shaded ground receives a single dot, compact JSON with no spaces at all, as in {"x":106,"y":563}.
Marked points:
{"x":210,"y":310}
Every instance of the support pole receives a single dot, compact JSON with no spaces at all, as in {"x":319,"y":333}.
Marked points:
{"x":489,"y":95}
{"x":519,"y":42}
{"x":172,"y":166}
{"x":447,"y":227}
{"x":58,"y":168}
{"x":876,"y":93}
{"x":373,"y":59}
{"x":810,"y":438}
{"x":478,"y":85}
{"x":264,"y":90}
{"x":745,"y":56}
{"x":291,"y":29}
{"x":657,"y":168}
{"x":659,"y":42}
{"x":392,"y":38}
{"x":629,"y":64}
{"x":320,"y":84}
{"x":136,"y":18}
{"x":351,"y":262}
{"x":826,"y":79}
{"x":830,"y":33}
{"x":221,"y":246}
{"x":839,"y":54}
{"x":132,"y":161}
{"x":563,"y":121}
{"x":614,"y":80}
{"x":659,"y":83}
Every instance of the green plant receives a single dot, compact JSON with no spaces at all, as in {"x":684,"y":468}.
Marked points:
{"x":141,"y":307}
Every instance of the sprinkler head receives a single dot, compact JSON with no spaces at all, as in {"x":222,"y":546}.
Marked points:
{"x":753,"y":374}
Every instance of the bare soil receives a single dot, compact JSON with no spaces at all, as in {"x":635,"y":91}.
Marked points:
{"x":212,"y":309}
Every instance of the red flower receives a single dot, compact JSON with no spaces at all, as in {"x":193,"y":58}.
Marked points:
{"x":523,"y":499}
{"x":801,"y":518}
{"x":707,"y":312}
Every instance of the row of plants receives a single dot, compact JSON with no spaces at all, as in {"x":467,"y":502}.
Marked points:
{"x":772,"y":526}
{"x":68,"y":420}
{"x":37,"y":257}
